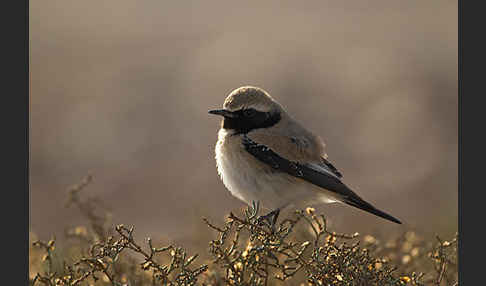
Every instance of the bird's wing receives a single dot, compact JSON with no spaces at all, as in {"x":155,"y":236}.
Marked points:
{"x":297,"y":144}
{"x":316,"y":174}
{"x":326,"y":164}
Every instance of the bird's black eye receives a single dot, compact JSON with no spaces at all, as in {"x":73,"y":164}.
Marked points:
{"x":249,"y":112}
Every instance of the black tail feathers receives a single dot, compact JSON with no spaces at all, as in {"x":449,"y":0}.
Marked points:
{"x":359,"y":203}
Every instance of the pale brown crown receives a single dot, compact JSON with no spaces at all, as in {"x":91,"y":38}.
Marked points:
{"x":250,"y":97}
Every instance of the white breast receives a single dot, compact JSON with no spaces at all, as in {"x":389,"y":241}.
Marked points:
{"x":251,"y":180}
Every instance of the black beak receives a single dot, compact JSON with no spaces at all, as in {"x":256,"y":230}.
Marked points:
{"x":222,"y":112}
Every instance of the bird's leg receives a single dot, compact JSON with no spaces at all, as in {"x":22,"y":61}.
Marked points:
{"x":271,"y":218}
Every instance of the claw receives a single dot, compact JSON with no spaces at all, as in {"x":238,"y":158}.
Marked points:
{"x":270,"y":218}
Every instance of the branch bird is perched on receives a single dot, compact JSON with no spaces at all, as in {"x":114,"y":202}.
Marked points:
{"x":264,"y":155}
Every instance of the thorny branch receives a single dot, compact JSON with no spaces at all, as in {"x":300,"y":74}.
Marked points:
{"x":245,"y":253}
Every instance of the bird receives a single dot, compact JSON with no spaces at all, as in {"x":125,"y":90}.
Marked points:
{"x":264,"y":155}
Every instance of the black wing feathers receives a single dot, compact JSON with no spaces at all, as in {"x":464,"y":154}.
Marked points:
{"x":332,"y":168}
{"x":326,"y":181}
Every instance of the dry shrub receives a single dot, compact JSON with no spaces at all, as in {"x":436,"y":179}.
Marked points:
{"x":300,"y":250}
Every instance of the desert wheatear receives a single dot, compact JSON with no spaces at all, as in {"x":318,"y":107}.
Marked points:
{"x":264,"y":155}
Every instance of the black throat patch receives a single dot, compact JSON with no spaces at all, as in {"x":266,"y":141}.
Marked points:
{"x":246,"y":120}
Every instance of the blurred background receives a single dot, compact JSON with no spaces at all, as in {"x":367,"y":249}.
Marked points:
{"x":121,"y":89}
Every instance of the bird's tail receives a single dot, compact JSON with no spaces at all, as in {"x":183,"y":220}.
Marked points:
{"x":359,"y":203}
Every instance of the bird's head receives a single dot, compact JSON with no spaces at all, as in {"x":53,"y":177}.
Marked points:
{"x":248,"y":108}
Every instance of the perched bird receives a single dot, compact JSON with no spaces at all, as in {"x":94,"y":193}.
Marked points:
{"x":264,"y":155}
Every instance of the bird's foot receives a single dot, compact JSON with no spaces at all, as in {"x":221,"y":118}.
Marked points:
{"x":269,"y":219}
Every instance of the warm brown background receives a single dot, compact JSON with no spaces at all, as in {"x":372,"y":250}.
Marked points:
{"x":121,"y":90}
